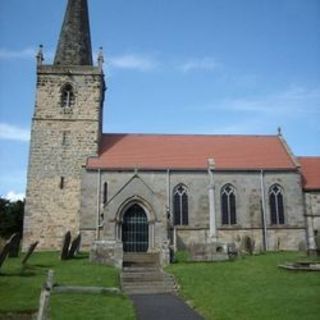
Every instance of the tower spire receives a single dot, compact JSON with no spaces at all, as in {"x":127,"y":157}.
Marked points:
{"x":74,"y":45}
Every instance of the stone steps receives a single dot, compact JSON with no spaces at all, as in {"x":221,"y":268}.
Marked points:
{"x":142,"y":274}
{"x":140,"y":259}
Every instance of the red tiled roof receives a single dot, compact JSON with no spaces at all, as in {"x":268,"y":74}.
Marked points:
{"x":148,"y":151}
{"x":310,"y":167}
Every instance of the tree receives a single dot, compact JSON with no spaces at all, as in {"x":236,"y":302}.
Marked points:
{"x":11,"y":217}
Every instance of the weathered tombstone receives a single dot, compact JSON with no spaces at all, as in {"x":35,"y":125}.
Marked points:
{"x":29,"y":252}
{"x":65,"y":246}
{"x":6,"y":249}
{"x":75,"y":246}
{"x":15,"y":245}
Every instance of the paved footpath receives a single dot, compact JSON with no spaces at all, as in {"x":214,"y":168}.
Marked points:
{"x":162,"y":307}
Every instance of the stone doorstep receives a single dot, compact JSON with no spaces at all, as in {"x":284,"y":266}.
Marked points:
{"x":147,"y":277}
{"x":141,"y":258}
{"x":137,"y":269}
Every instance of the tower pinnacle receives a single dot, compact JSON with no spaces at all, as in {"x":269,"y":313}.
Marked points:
{"x":74,"y":45}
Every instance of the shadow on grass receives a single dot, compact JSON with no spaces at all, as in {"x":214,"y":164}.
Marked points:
{"x":22,"y":273}
{"x":23,"y":315}
{"x":81,"y":257}
{"x":41,"y":266}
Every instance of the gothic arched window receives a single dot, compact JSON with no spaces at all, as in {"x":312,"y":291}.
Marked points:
{"x":228,"y":205}
{"x":276,"y":204}
{"x":180,"y":205}
{"x":67,"y":96}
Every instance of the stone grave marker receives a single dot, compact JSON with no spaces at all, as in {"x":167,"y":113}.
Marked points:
{"x":75,"y":246}
{"x":65,"y":246}
{"x":15,"y":245}
{"x":29,"y":252}
{"x":6,"y":249}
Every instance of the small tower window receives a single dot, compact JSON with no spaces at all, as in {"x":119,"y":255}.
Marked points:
{"x":66,"y":138}
{"x":67,"y":96}
{"x":61,"y":185}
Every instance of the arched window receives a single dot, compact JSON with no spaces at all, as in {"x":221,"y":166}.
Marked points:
{"x":276,"y":204}
{"x":228,"y":205}
{"x":180,"y":205}
{"x":67,"y":96}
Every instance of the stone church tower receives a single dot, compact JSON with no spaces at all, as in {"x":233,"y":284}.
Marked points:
{"x":66,"y":130}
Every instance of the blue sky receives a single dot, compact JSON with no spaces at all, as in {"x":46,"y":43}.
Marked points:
{"x":173,"y":66}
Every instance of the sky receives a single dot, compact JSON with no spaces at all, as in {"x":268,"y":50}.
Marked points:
{"x":173,"y":66}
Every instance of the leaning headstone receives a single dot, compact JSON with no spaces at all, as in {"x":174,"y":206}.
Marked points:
{"x":75,"y":246}
{"x":29,"y":252}
{"x":15,"y":245}
{"x":5,"y":251}
{"x":65,"y":246}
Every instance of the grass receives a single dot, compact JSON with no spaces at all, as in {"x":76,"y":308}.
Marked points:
{"x":250,"y":288}
{"x":20,"y":288}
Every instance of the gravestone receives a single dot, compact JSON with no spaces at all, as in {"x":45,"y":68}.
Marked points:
{"x":15,"y":245}
{"x":75,"y":246}
{"x":65,"y":246}
{"x":6,"y":249}
{"x":29,"y":252}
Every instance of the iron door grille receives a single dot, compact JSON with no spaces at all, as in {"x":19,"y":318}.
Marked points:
{"x":135,"y":230}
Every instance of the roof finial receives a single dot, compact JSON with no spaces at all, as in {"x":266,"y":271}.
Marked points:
{"x":279,"y":131}
{"x":211,"y":163}
{"x":100,"y":58}
{"x":39,"y":55}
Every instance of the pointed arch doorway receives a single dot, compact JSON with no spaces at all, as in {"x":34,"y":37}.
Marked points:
{"x":135,"y":230}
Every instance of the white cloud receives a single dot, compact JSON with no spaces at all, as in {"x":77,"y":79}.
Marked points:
{"x":199,"y":64}
{"x":10,"y":132}
{"x":17,"y":54}
{"x":14,"y":196}
{"x":25,"y":53}
{"x":133,"y":61}
{"x":292,"y":102}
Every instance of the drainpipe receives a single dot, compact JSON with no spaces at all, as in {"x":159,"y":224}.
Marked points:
{"x":264,"y":221}
{"x":168,"y":211}
{"x":98,"y":205}
{"x":168,"y":192}
{"x":212,"y":214}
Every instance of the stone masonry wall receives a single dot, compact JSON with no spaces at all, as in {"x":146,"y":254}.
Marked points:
{"x":312,"y":205}
{"x":122,"y":186}
{"x":61,"y":141}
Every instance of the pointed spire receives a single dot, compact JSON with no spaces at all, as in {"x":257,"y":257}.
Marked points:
{"x":74,"y":46}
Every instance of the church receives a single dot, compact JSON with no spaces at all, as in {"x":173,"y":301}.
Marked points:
{"x":153,"y":193}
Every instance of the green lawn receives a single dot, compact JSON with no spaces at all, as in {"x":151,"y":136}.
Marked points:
{"x":20,"y":289}
{"x":250,"y":288}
